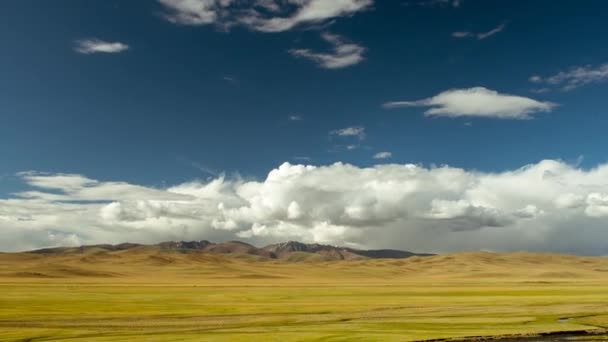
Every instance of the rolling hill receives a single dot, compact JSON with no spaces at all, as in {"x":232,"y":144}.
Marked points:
{"x":295,"y":261}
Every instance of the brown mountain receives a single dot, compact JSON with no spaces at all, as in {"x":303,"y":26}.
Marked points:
{"x":287,"y":250}
{"x":290,"y":251}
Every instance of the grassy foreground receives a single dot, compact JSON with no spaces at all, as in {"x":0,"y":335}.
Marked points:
{"x":155,"y":296}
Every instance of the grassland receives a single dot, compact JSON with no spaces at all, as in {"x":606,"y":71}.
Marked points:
{"x":151,"y":295}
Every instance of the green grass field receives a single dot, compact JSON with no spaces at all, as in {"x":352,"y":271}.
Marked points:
{"x":153,"y":296}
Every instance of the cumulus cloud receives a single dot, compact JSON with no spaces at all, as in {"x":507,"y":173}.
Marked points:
{"x":94,"y":45}
{"x":536,"y":207}
{"x":573,"y":78}
{"x":260,"y":15}
{"x":477,"y":102}
{"x":480,"y":35}
{"x":343,"y":55}
{"x":383,"y":155}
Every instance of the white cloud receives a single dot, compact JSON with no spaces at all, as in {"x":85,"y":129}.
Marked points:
{"x":472,"y":216}
{"x":492,"y":32}
{"x":193,"y":12}
{"x":94,"y":45}
{"x":477,"y":102}
{"x":569,"y":201}
{"x":383,"y":155}
{"x":538,"y":207}
{"x":597,"y":205}
{"x":343,"y":55}
{"x":573,"y":78}
{"x":353,"y":131}
{"x":260,"y":15}
{"x":295,"y":118}
{"x":480,"y":35}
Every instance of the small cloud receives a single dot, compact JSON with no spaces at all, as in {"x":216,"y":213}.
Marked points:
{"x":481,"y":35}
{"x":492,"y":32}
{"x":477,"y":102}
{"x":94,"y":45}
{"x":344,"y":54}
{"x":294,"y":118}
{"x":351,"y":147}
{"x":187,"y":12}
{"x":541,"y":90}
{"x":353,"y":131}
{"x":573,"y":78}
{"x":462,"y":34}
{"x":383,"y":155}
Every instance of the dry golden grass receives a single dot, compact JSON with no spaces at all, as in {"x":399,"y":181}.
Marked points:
{"x":152,"y":295}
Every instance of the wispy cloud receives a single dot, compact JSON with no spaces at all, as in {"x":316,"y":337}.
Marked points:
{"x":94,"y":45}
{"x":477,"y":102}
{"x":573,"y":78}
{"x":383,"y":155}
{"x":193,"y":12}
{"x":230,"y":79}
{"x":353,"y":131}
{"x":259,"y":15}
{"x":442,"y":3}
{"x":294,"y":118}
{"x":302,"y":158}
{"x":344,"y":54}
{"x":481,"y":35}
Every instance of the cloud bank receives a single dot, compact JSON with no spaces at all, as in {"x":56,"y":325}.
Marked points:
{"x":477,"y":102}
{"x":548,"y":206}
{"x":259,"y":15}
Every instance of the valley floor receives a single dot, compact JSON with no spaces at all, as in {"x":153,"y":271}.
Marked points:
{"x":235,"y":299}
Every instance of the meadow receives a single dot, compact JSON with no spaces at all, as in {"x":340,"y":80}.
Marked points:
{"x":150,"y":295}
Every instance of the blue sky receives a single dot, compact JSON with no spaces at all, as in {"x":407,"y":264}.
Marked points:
{"x":162,"y":93}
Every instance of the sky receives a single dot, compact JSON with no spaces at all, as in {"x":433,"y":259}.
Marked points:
{"x":425,"y":125}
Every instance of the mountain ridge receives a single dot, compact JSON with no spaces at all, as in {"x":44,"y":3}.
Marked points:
{"x":284,"y":250}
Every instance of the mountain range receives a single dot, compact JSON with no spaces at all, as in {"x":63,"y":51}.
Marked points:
{"x":290,"y":251}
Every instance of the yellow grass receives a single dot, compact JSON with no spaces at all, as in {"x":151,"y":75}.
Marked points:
{"x":150,"y":295}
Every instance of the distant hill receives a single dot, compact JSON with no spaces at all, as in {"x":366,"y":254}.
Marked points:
{"x":287,"y":249}
{"x":290,"y":251}
{"x":204,"y":261}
